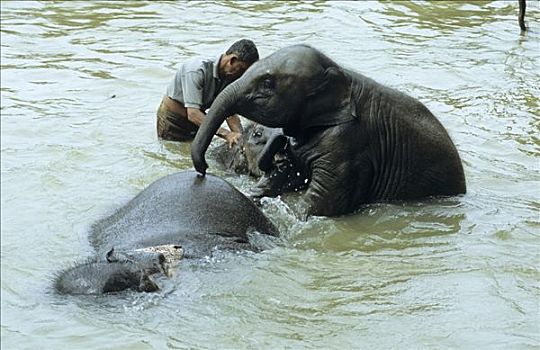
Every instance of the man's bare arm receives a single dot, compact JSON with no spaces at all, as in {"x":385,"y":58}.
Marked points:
{"x":196,"y":116}
{"x":234,"y":123}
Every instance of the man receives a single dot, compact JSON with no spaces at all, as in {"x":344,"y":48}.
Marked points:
{"x":194,"y":88}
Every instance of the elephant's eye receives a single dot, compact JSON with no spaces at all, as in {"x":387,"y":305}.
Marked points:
{"x":256,"y":134}
{"x":267,"y":83}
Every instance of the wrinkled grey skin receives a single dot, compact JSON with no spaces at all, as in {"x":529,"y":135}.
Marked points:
{"x":194,"y":212}
{"x":358,"y":141}
{"x":198,"y":214}
{"x":99,"y":277}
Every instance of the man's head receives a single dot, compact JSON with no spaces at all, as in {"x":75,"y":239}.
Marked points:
{"x":237,"y":59}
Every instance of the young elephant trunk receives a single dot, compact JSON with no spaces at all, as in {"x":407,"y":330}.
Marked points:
{"x":221,"y":109}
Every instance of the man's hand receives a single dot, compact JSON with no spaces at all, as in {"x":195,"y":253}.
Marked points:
{"x":232,"y":138}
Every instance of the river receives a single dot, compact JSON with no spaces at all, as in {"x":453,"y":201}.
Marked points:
{"x":80,"y":84}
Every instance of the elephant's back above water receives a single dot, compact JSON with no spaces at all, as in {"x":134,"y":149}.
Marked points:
{"x":178,"y":205}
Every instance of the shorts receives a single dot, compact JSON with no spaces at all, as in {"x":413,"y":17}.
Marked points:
{"x":173,"y":126}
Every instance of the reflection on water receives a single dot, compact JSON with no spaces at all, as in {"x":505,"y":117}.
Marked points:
{"x":445,"y":17}
{"x":444,"y":273}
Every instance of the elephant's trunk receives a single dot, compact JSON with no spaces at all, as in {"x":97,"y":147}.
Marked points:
{"x":274,"y":144}
{"x":221,"y":108}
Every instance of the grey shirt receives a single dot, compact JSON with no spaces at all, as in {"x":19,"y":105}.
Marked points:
{"x":196,"y":84}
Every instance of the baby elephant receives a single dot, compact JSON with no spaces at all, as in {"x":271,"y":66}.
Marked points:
{"x":242,"y":158}
{"x":359,"y":141}
{"x":179,"y":216}
{"x":264,"y":153}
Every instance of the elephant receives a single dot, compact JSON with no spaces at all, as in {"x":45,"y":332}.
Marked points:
{"x":357,"y":140}
{"x":263,"y":154}
{"x":117,"y":272}
{"x":180,"y":216}
{"x":242,"y":158}
{"x":282,"y":170}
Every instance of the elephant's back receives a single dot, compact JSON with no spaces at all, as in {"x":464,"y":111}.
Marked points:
{"x":413,"y":155}
{"x":179,"y":205}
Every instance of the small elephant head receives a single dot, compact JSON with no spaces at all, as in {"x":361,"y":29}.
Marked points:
{"x":270,"y":157}
{"x":120,"y":270}
{"x":254,"y":154}
{"x":257,"y":140}
{"x":98,"y":277}
{"x":295,"y":88}
{"x":243,"y":157}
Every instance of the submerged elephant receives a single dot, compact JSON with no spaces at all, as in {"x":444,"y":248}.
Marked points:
{"x":242,"y":157}
{"x":182,"y":215}
{"x":262,"y":153}
{"x":357,"y":140}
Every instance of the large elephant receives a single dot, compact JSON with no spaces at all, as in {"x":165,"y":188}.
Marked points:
{"x":357,"y":140}
{"x":180,"y":214}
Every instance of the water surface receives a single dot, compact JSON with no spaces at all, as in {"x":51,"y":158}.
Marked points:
{"x":80,"y":83}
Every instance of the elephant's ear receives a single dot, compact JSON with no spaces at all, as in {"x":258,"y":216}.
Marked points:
{"x":328,"y":100}
{"x":325,"y":79}
{"x":110,"y":256}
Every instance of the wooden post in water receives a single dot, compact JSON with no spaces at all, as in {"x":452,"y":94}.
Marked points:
{"x":521,"y":16}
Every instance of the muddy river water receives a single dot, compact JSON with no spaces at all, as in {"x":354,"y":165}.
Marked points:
{"x":80,"y":83}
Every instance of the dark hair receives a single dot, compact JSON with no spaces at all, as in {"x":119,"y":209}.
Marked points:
{"x":245,"y":50}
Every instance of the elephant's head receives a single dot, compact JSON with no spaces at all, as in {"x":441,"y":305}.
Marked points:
{"x":243,"y":157}
{"x":99,"y":276}
{"x":270,"y":157}
{"x":119,"y":270}
{"x":260,"y":145}
{"x":295,"y":88}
